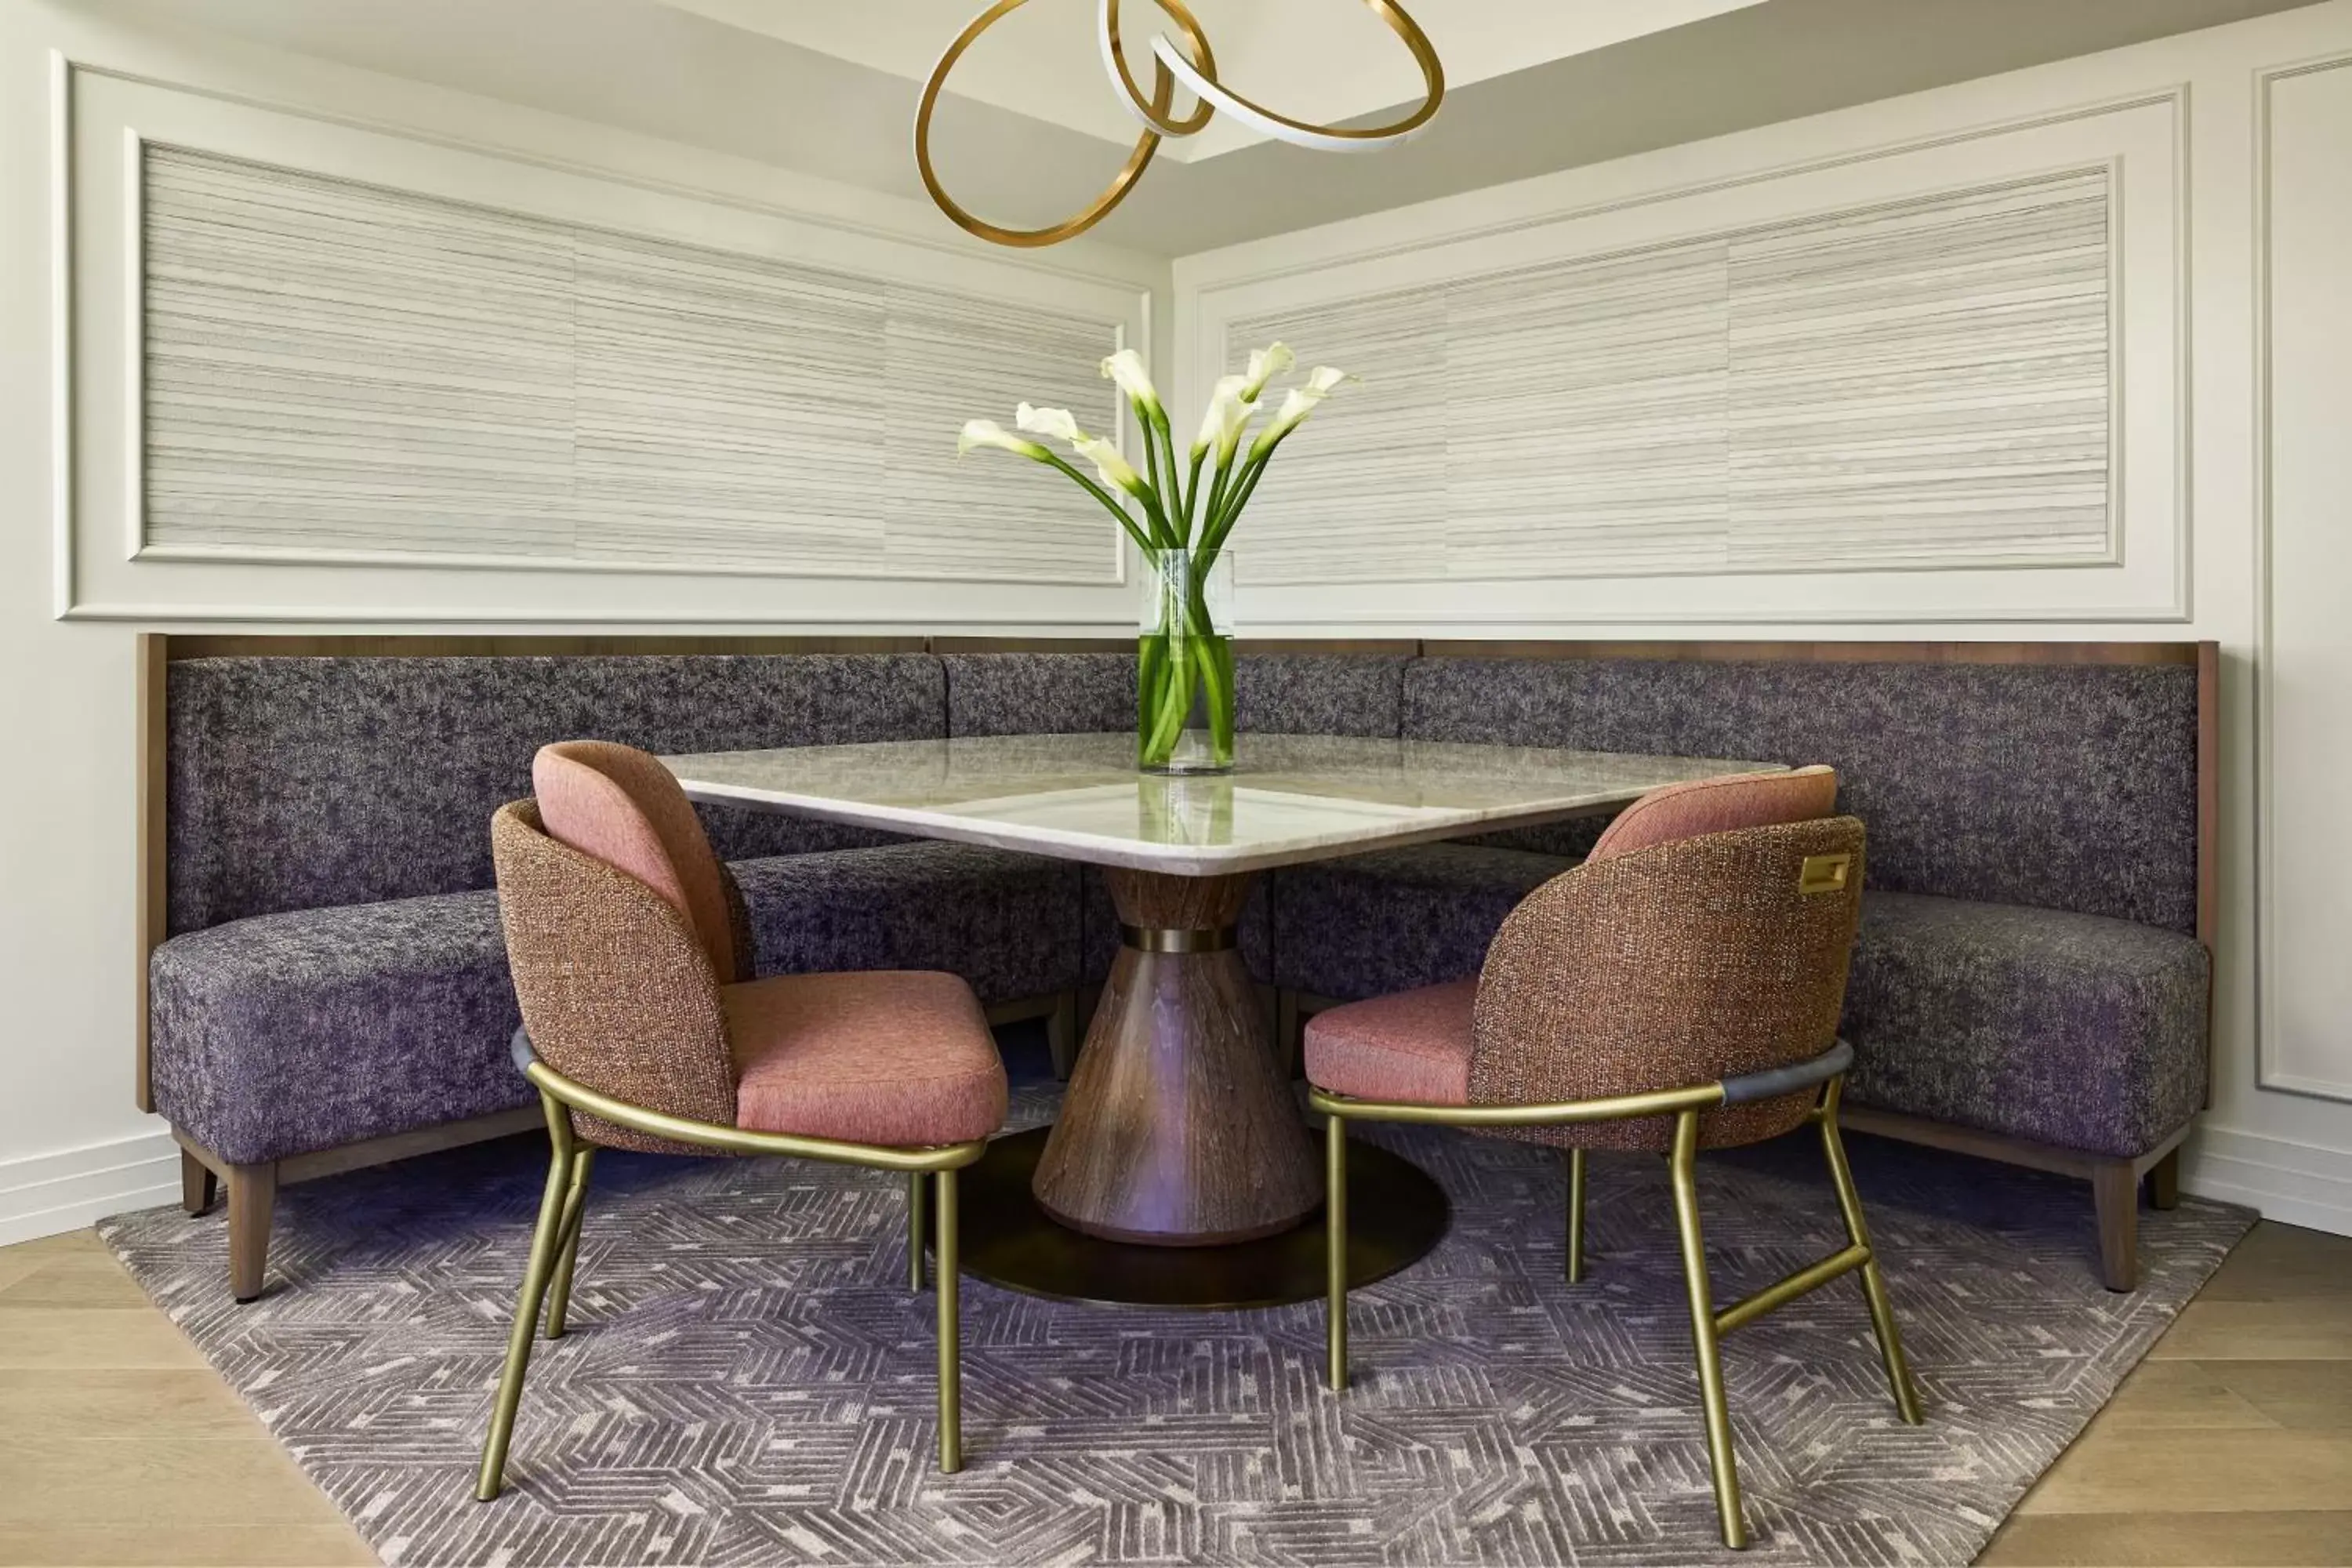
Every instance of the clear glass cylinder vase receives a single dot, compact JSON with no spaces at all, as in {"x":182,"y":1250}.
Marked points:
{"x":1184,"y":663}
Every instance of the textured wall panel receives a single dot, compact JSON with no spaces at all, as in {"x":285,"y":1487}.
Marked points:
{"x":338,"y":367}
{"x":1923,"y":385}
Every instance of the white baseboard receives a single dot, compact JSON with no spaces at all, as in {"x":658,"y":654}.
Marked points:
{"x":2295,"y":1184}
{"x":43,"y":1194}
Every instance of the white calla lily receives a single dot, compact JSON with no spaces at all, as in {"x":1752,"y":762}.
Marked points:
{"x":1230,"y":407}
{"x":1296,"y":405}
{"x":1114,"y":468}
{"x":1058,"y":424}
{"x":1126,"y":368}
{"x":988,"y":433}
{"x":1265,"y":364}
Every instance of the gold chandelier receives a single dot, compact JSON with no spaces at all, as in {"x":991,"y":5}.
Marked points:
{"x":1195,"y":67}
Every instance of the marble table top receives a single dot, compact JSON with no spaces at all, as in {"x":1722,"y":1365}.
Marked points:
{"x":1290,"y":798}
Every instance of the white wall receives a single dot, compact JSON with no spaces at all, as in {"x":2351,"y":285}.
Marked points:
{"x":2230,"y":155}
{"x":72,"y":1148}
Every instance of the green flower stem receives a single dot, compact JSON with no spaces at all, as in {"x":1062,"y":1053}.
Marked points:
{"x":1152,"y":462}
{"x":1179,"y":513}
{"x":1193,"y":492}
{"x":1222,"y":523}
{"x":1214,"y":655}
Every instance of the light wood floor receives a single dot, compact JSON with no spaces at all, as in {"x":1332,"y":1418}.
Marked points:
{"x":2232,"y":1444}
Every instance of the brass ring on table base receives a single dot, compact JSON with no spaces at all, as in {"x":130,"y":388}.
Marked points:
{"x":1147,"y":939}
{"x":1162,"y":93}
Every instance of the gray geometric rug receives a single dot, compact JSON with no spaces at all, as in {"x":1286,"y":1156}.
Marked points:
{"x":749,"y":1382}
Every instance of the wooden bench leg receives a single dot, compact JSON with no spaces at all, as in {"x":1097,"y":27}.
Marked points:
{"x":1289,"y":1032}
{"x":252,"y":1195}
{"x":2116,"y":1187}
{"x":2164,"y":1181}
{"x":197,"y":1183}
{"x":1062,"y":1034}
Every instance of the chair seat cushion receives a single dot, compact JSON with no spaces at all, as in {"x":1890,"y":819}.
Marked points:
{"x":1412,"y":1047}
{"x":1397,"y":918}
{"x":283,"y":1034}
{"x":1007,"y":923}
{"x":2075,"y":1030}
{"x":896,"y":1057}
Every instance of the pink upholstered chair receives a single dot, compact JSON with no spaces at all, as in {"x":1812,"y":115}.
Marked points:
{"x":1679,"y":990}
{"x":643,"y":1029}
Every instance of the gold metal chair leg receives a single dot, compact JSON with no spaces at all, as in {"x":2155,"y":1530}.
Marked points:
{"x":1575,"y":1215}
{"x":1335,"y":1251}
{"x":915,"y":1231}
{"x":951,"y":1331}
{"x":1873,"y":1287}
{"x":576,"y":1209}
{"x":544,"y":1242}
{"x":1720,"y":1457}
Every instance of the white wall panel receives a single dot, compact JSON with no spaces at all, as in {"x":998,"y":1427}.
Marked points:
{"x":1937,"y":379}
{"x":1920,"y":384}
{"x":2307,"y":642}
{"x":332,"y":365}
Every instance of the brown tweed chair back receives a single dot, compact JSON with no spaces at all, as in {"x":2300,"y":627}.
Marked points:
{"x":1674,"y":965}
{"x":617,"y":990}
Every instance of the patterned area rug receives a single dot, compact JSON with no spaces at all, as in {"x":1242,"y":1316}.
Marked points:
{"x":748,"y":1380}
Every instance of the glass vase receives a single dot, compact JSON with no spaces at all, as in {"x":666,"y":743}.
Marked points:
{"x":1184,"y":663}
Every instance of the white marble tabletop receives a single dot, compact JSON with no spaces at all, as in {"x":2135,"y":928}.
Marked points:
{"x":1290,"y":798}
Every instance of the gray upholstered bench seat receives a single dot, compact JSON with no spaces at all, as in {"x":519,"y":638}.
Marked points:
{"x":282,"y":1034}
{"x":2075,"y":1030}
{"x":1396,"y":919}
{"x":1007,"y":922}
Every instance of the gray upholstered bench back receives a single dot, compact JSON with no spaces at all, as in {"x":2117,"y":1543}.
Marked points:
{"x":1071,"y":693}
{"x":2070,"y":786}
{"x":301,"y":782}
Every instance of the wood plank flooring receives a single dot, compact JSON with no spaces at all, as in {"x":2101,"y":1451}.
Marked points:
{"x":119,"y":1445}
{"x":2231,"y":1445}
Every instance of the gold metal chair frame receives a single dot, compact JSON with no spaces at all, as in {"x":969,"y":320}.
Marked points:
{"x":555,"y":1243}
{"x":1708,"y":1325}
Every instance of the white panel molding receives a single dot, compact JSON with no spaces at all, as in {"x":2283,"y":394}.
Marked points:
{"x":61,"y":341}
{"x":100,"y":362}
{"x":814,"y":203}
{"x":2273,"y":925}
{"x":42,"y":1194}
{"x":1629,"y":210}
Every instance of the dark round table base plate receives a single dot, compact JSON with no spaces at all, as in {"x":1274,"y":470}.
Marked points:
{"x":1396,"y":1214}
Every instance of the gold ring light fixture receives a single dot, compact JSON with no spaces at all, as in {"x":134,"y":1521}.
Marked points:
{"x":1186,"y":61}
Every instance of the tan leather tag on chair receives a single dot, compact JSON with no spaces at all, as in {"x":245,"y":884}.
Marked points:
{"x":1823,"y":873}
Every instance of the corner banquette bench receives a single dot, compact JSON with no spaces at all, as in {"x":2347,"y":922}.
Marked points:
{"x":326,"y":981}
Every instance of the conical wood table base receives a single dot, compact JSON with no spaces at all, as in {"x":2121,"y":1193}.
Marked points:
{"x":1179,"y":1129}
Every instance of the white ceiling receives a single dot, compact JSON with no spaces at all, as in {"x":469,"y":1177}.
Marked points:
{"x":1318,"y":60}
{"x":1533,"y":86}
